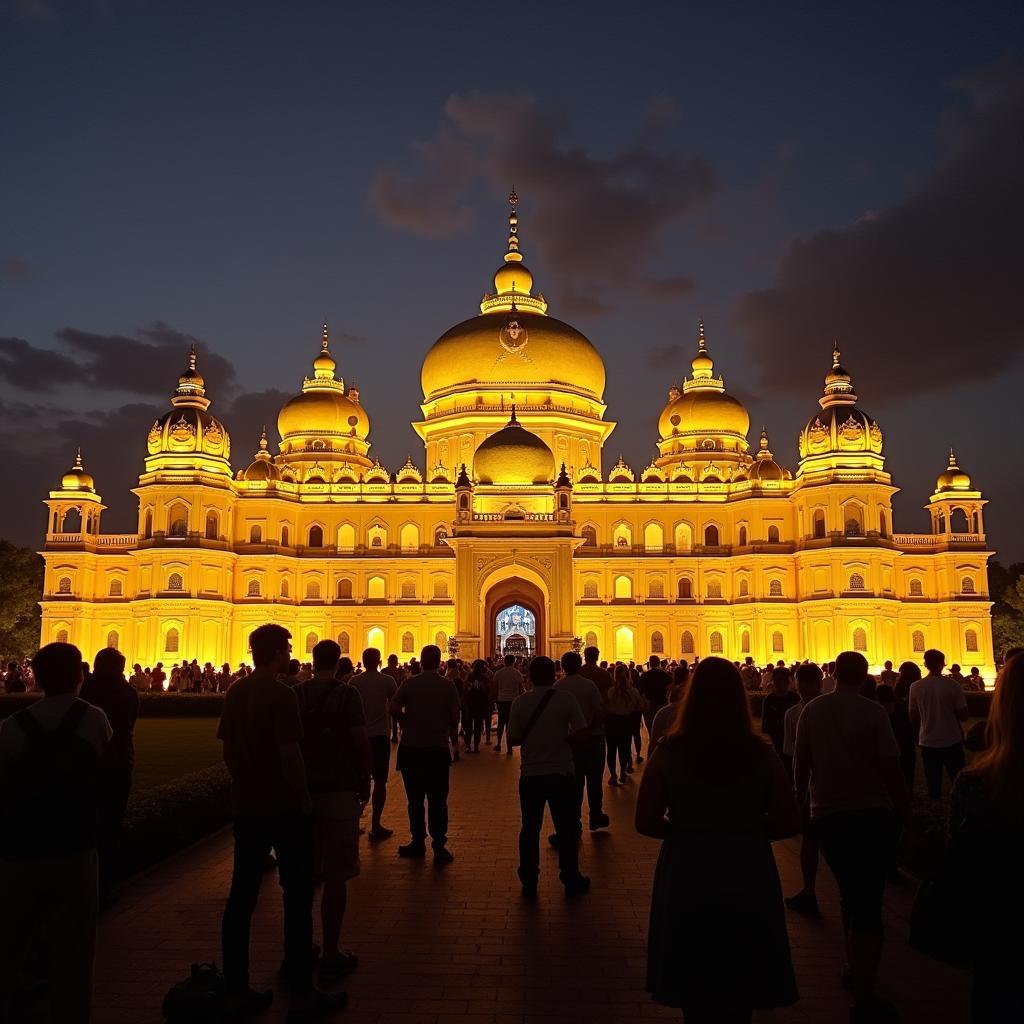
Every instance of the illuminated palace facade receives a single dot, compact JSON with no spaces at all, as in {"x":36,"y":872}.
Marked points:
{"x":518,"y":533}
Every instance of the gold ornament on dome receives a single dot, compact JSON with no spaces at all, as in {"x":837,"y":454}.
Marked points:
{"x":213,"y":435}
{"x":817,"y":435}
{"x":182,"y":431}
{"x":513,"y":338}
{"x":153,"y":440}
{"x":876,"y":437}
{"x":851,"y":431}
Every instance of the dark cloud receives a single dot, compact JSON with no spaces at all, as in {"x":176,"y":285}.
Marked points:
{"x":599,"y":218}
{"x":925,"y":292}
{"x":15,"y":270}
{"x":668,"y":357}
{"x":34,"y":369}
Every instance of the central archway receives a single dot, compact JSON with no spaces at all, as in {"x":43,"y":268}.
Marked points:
{"x":514,"y":592}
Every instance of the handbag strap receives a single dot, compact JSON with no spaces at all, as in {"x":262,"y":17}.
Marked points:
{"x":537,"y":712}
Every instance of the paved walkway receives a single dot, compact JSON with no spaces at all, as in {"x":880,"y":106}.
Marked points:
{"x":459,"y":945}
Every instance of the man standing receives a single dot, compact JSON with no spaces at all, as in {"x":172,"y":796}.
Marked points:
{"x":428,"y":705}
{"x":50,"y":784}
{"x":108,"y":690}
{"x":261,"y":731}
{"x":541,"y":722}
{"x":937,"y":706}
{"x":588,"y":748}
{"x":336,"y":752}
{"x":848,"y":762}
{"x":887,"y":677}
{"x":377,"y":690}
{"x":750,"y":676}
{"x":509,"y":682}
{"x":654,"y":684}
{"x":397,"y":673}
{"x":599,"y":676}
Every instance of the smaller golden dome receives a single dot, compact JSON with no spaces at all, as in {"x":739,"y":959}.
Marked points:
{"x":76,"y":478}
{"x":262,"y":467}
{"x":514,"y":455}
{"x":512,"y":278}
{"x":953,"y":478}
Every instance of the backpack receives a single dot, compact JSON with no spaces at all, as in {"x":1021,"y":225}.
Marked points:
{"x":325,"y":743}
{"x":199,"y":999}
{"x":49,"y":803}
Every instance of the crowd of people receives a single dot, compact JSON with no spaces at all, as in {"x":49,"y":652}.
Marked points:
{"x":309,"y":749}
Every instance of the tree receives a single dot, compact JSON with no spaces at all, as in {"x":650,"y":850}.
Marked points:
{"x":21,"y":584}
{"x":1006,"y":585}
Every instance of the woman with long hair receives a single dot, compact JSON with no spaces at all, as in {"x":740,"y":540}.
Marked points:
{"x":717,"y":794}
{"x":986,"y":830}
{"x":909,"y":674}
{"x":624,"y":703}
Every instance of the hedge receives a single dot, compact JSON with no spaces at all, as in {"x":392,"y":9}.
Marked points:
{"x":166,"y":819}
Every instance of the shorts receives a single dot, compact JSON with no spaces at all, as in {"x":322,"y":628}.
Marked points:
{"x":858,"y":848}
{"x":337,"y":834}
{"x":380,"y":758}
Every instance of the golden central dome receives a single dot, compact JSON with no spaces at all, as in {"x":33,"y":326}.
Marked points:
{"x":514,"y":455}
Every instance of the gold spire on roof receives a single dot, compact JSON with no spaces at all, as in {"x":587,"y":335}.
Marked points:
{"x":513,"y":255}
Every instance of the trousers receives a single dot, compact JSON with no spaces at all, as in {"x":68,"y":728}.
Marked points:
{"x":425,"y":776}
{"x":559,"y":793}
{"x":588,"y":759}
{"x":935,"y":759}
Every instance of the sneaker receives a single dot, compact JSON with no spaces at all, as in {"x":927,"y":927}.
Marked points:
{"x":803,"y":902}
{"x":413,"y":850}
{"x":379,"y":834}
{"x":246,"y":1005}
{"x":282,"y":971}
{"x":576,"y":886}
{"x":321,"y":1004}
{"x":601,"y":821}
{"x":442,"y":856}
{"x":334,"y":967}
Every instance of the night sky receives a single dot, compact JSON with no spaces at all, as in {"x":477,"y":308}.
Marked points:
{"x":232,"y":173}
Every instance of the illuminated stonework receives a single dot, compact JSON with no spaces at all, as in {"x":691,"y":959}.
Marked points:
{"x":712,"y":548}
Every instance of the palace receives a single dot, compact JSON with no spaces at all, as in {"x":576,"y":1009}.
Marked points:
{"x":517,"y":534}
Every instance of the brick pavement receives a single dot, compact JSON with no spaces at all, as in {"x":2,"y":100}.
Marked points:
{"x":459,"y":945}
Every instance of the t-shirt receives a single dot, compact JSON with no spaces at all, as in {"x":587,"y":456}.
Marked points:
{"x":546,"y":750}
{"x":260,"y":716}
{"x":843,"y":738}
{"x":509,"y":681}
{"x":587,"y":696}
{"x":376,"y":690}
{"x":600,"y":677}
{"x":789,"y":728}
{"x":936,"y":700}
{"x":887,"y":677}
{"x":431,"y":703}
{"x":343,"y":711}
{"x":654,"y":684}
{"x":49,"y":712}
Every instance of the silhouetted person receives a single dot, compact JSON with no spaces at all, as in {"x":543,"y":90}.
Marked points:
{"x":654,"y":686}
{"x":716,"y":794}
{"x":937,"y":706}
{"x":508,"y":681}
{"x":377,"y":689}
{"x":428,"y":707}
{"x":50,"y":783}
{"x":108,"y":689}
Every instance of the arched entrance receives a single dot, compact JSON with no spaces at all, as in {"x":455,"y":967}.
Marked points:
{"x":514,"y":620}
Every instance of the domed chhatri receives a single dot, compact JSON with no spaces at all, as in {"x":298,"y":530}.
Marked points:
{"x":76,"y":478}
{"x":188,"y":437}
{"x":262,"y":467}
{"x":952,"y":478}
{"x":513,"y":456}
{"x":326,"y":419}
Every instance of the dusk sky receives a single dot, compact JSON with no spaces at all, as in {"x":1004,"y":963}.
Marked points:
{"x":232,"y":173}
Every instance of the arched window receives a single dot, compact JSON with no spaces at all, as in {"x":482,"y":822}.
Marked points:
{"x":711,"y":536}
{"x":775,"y":588}
{"x":408,"y":643}
{"x":116,"y":588}
{"x":622,"y":536}
{"x":856,"y":581}
{"x":62,"y":636}
{"x":917,"y":639}
{"x":175,"y":581}
{"x":375,"y":589}
{"x":590,"y":640}
{"x":64,"y":585}
{"x":286,"y":537}
{"x":313,"y":590}
{"x":742,"y":536}
{"x":623,"y":587}
{"x":344,"y":642}
{"x":684,"y":537}
{"x":311,"y":642}
{"x":819,"y":524}
{"x":377,"y":537}
{"x":113,"y":639}
{"x":657,"y":642}
{"x":883,"y":525}
{"x":687,"y":642}
{"x":316,"y":537}
{"x":171,"y":641}
{"x":656,"y":589}
{"x":408,"y":590}
{"x":773,"y":535}
{"x":967,"y":586}
{"x":654,"y":537}
{"x":346,"y":537}
{"x":715,"y":643}
{"x":971,"y":641}
{"x":853,"y":517}
{"x":714,"y":589}
{"x":778,"y":642}
{"x":440,"y":590}
{"x":744,"y":588}
{"x":177,"y":520}
{"x":860,"y":639}
{"x":441,"y":641}
{"x":916,"y":588}
{"x":744,"y":642}
{"x":440,"y":536}
{"x":684,"y":589}
{"x":344,"y":590}
{"x":212,"y":526}
{"x":590,"y":590}
{"x":255,"y":534}
{"x":409,"y":537}
{"x":253,"y":590}
{"x":589,"y":535}
{"x":147,"y":528}
{"x":285,"y":588}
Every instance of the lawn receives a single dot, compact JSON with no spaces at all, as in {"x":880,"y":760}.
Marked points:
{"x":166,"y":748}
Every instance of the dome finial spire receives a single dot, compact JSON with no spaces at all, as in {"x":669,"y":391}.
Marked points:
{"x":835,"y":354}
{"x":325,"y":339}
{"x":513,"y":255}
{"x":701,"y":341}
{"x":192,"y":356}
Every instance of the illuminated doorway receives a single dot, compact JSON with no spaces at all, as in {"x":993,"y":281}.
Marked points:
{"x":515,"y":631}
